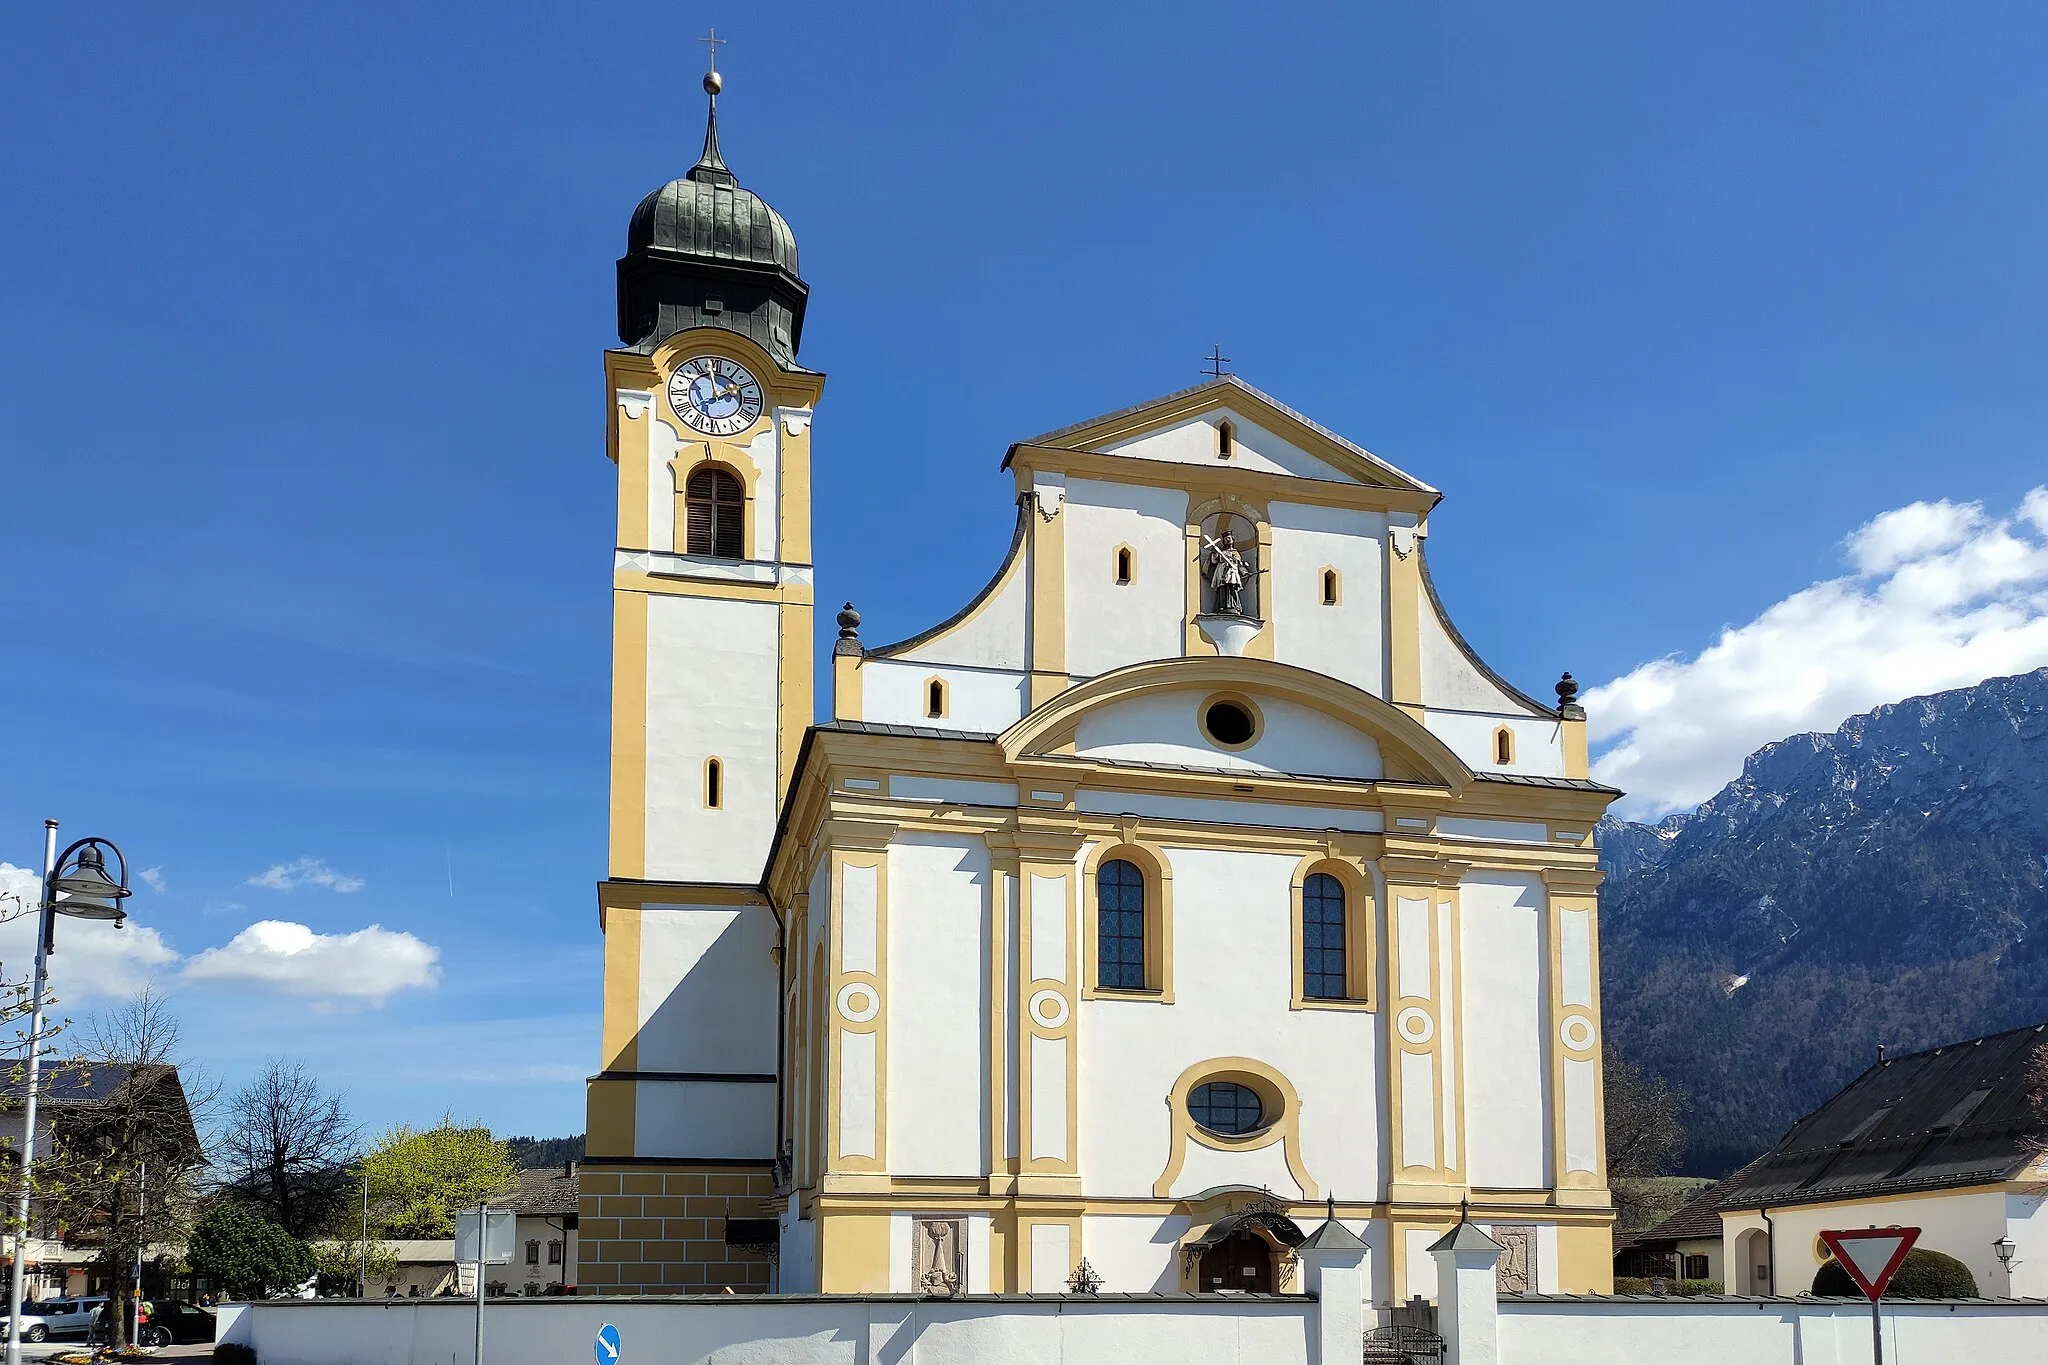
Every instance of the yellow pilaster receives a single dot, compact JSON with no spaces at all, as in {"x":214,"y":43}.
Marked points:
{"x":1423,"y":1057}
{"x":1048,"y":550}
{"x":1404,"y":620}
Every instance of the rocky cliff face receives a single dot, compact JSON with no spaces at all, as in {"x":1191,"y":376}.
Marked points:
{"x":1887,"y":883}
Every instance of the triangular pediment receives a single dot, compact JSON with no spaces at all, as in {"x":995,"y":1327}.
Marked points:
{"x":1268,"y":436}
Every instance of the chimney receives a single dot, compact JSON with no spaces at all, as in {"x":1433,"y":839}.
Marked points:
{"x":568,"y":1170}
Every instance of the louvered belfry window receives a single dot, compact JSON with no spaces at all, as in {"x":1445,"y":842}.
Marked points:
{"x":715,"y":504}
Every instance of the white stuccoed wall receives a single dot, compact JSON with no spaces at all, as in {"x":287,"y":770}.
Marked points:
{"x":938,"y":1015}
{"x":786,"y":1331}
{"x":1586,"y":1331}
{"x":1346,"y":640}
{"x":1111,"y":624}
{"x":713,"y":678}
{"x":1505,"y":1030}
{"x":1112,"y":1330}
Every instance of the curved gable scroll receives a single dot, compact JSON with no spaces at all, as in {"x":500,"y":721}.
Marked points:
{"x":1410,"y":752}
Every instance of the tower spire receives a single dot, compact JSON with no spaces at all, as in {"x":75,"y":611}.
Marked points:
{"x":711,"y":168}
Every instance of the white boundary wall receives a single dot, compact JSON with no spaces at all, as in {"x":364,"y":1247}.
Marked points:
{"x":1727,"y":1331}
{"x":1127,"y":1330}
{"x":786,"y":1330}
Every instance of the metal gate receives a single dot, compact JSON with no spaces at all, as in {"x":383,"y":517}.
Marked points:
{"x":1409,"y":1338}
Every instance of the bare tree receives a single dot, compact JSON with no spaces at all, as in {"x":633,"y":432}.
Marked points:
{"x":284,"y":1146}
{"x":1644,"y":1137}
{"x":125,"y":1149}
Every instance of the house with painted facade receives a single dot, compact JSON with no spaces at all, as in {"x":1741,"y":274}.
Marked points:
{"x":1194,"y":881}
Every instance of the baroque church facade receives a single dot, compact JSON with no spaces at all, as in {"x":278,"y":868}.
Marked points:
{"x":1195,"y":878}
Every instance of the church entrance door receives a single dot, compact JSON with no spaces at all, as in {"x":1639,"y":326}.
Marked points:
{"x":1242,"y":1261}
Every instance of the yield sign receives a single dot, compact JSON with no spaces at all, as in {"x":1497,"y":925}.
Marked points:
{"x":1871,"y":1255}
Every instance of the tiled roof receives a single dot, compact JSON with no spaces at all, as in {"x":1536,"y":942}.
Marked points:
{"x":1940,"y":1119}
{"x":549,"y":1193}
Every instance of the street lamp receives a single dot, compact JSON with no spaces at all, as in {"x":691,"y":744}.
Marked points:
{"x":2003,"y":1248}
{"x":75,"y":883}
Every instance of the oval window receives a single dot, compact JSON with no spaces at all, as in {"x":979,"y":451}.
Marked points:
{"x":1226,"y":1108}
{"x":1229,"y":723}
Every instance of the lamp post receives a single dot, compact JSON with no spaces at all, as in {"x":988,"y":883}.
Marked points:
{"x":75,"y":883}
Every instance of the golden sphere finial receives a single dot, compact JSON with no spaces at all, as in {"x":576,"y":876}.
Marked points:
{"x":713,"y":82}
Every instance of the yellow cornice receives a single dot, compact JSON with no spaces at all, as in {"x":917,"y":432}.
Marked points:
{"x":1049,"y":725}
{"x":1209,"y":481}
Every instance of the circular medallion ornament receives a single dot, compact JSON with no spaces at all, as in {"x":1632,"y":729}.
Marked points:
{"x":1576,"y":1032}
{"x":1415,"y":1025}
{"x":714,"y":395}
{"x":1049,"y":1008}
{"x":858,"y":1002}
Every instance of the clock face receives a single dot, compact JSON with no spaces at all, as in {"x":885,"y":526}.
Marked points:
{"x":714,"y":395}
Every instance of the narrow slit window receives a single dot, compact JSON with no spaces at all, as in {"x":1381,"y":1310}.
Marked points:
{"x":935,"y":697}
{"x":714,"y":509}
{"x":1226,"y":438}
{"x":714,"y":783}
{"x":1330,"y":587}
{"x":1123,"y":564}
{"x":1503,"y":745}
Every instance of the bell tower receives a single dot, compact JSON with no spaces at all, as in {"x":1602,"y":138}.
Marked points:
{"x":708,"y":418}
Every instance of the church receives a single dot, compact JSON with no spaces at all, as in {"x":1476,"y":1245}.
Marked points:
{"x":1195,"y":881}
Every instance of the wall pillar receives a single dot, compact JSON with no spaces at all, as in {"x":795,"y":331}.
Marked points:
{"x":1333,"y":1264}
{"x":1468,"y":1308}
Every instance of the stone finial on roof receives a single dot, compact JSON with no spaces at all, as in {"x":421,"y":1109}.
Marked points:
{"x":1568,"y":698}
{"x":849,"y":632}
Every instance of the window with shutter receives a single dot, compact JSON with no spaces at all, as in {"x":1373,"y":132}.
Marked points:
{"x":715,"y":511}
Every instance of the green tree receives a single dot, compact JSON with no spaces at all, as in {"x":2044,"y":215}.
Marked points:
{"x":252,"y":1257}
{"x":342,"y":1266}
{"x":1922,"y":1275}
{"x":420,"y":1179}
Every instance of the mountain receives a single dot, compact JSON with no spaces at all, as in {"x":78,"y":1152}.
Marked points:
{"x":1884,"y":884}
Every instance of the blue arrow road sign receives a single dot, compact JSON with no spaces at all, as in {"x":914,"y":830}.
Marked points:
{"x":607,"y":1345}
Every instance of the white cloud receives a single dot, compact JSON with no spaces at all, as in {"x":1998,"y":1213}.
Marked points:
{"x":153,"y":878}
{"x":1941,"y":595}
{"x":305,"y":872}
{"x":93,"y":958}
{"x":367,"y":966}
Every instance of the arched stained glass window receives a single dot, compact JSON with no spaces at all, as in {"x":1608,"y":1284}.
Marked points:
{"x":1322,"y":938}
{"x":1120,"y":926}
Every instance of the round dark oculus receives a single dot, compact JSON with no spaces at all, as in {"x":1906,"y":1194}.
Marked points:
{"x":1228,"y":722}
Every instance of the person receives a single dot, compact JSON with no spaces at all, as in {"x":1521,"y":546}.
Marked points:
{"x":1227,"y":571}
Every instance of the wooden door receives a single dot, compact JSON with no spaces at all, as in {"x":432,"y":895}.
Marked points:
{"x":1243,"y":1261}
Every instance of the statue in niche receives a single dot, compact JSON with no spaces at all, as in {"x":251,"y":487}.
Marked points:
{"x":941,"y":1264}
{"x":1228,"y":571}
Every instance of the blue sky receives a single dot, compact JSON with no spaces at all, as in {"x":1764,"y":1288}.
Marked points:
{"x":302,"y":430}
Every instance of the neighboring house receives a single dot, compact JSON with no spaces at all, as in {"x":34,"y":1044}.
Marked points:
{"x":1684,"y":1246}
{"x":544,"y":1252}
{"x":76,"y":1093}
{"x":1945,"y":1140}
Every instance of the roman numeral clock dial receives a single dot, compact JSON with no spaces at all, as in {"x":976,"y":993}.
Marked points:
{"x":714,"y":396}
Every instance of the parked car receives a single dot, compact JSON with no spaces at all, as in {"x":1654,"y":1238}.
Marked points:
{"x":173,"y":1322}
{"x":166,"y":1322}
{"x":59,"y":1317}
